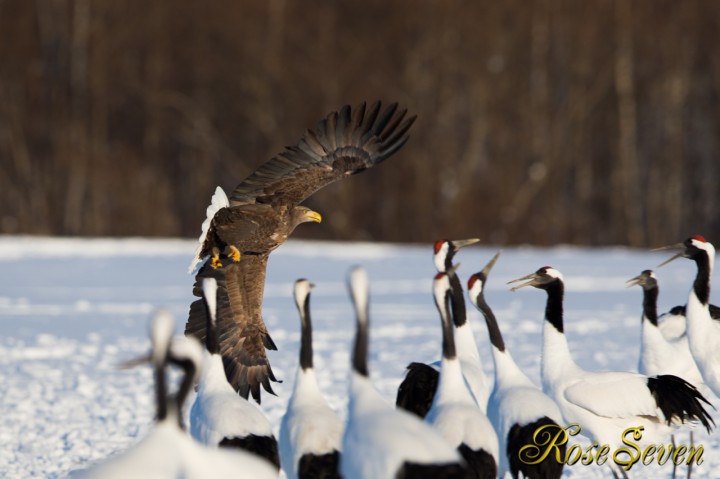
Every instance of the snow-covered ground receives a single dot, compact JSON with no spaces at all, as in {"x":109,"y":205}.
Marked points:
{"x":72,"y":309}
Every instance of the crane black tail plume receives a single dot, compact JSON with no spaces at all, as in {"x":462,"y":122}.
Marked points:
{"x":679,"y":400}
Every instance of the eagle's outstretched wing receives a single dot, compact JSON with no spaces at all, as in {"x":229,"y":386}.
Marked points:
{"x":344,"y":143}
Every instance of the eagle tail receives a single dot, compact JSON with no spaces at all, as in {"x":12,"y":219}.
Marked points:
{"x":218,"y":201}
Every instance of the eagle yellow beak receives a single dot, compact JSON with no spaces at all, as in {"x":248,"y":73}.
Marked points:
{"x":311,"y":215}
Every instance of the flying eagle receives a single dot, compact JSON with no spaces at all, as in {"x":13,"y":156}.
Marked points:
{"x":260,"y":214}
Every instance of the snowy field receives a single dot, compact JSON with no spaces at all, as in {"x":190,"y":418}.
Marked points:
{"x":72,"y":309}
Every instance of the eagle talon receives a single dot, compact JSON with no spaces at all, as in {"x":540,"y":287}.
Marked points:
{"x":216,"y":263}
{"x":234,"y":254}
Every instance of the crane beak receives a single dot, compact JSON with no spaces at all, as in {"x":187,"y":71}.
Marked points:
{"x":637,"y":280}
{"x":672,"y":247}
{"x":532,"y":281}
{"x":489,"y":266}
{"x":135,"y":362}
{"x":462,"y":243}
{"x":453,"y":269}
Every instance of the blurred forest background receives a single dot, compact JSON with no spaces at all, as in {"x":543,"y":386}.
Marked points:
{"x":539,"y":121}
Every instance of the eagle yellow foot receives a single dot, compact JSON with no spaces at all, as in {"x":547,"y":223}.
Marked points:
{"x":234,"y":254}
{"x":215,"y":261}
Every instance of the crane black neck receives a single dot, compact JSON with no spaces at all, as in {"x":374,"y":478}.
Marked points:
{"x":448,"y":258}
{"x":448,"y":338}
{"x":457,"y":300}
{"x":211,"y":337}
{"x":496,"y":338}
{"x":306,"y":350}
{"x":360,"y":349}
{"x":189,"y":371}
{"x":701,"y":286}
{"x":554,"y":307}
{"x":361,"y":302}
{"x":160,"y":392}
{"x":650,"y":296}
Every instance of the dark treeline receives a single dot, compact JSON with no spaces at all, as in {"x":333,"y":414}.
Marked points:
{"x":585,"y":122}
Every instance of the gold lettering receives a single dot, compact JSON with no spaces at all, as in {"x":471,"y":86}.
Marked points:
{"x":548,"y":439}
{"x":631,"y":459}
{"x":679,"y":455}
{"x":571,"y":460}
{"x":543,"y":437}
{"x":662,"y":457}
{"x":587,"y":458}
{"x":696,"y":454}
{"x":602,"y":454}
{"x":647,"y":455}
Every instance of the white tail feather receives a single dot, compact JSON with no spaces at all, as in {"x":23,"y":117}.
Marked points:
{"x":218,"y":201}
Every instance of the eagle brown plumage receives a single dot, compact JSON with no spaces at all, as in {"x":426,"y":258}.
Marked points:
{"x":263,"y":211}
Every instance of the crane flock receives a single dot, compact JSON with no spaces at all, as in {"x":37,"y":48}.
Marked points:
{"x":457,"y":435}
{"x":449,"y":420}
